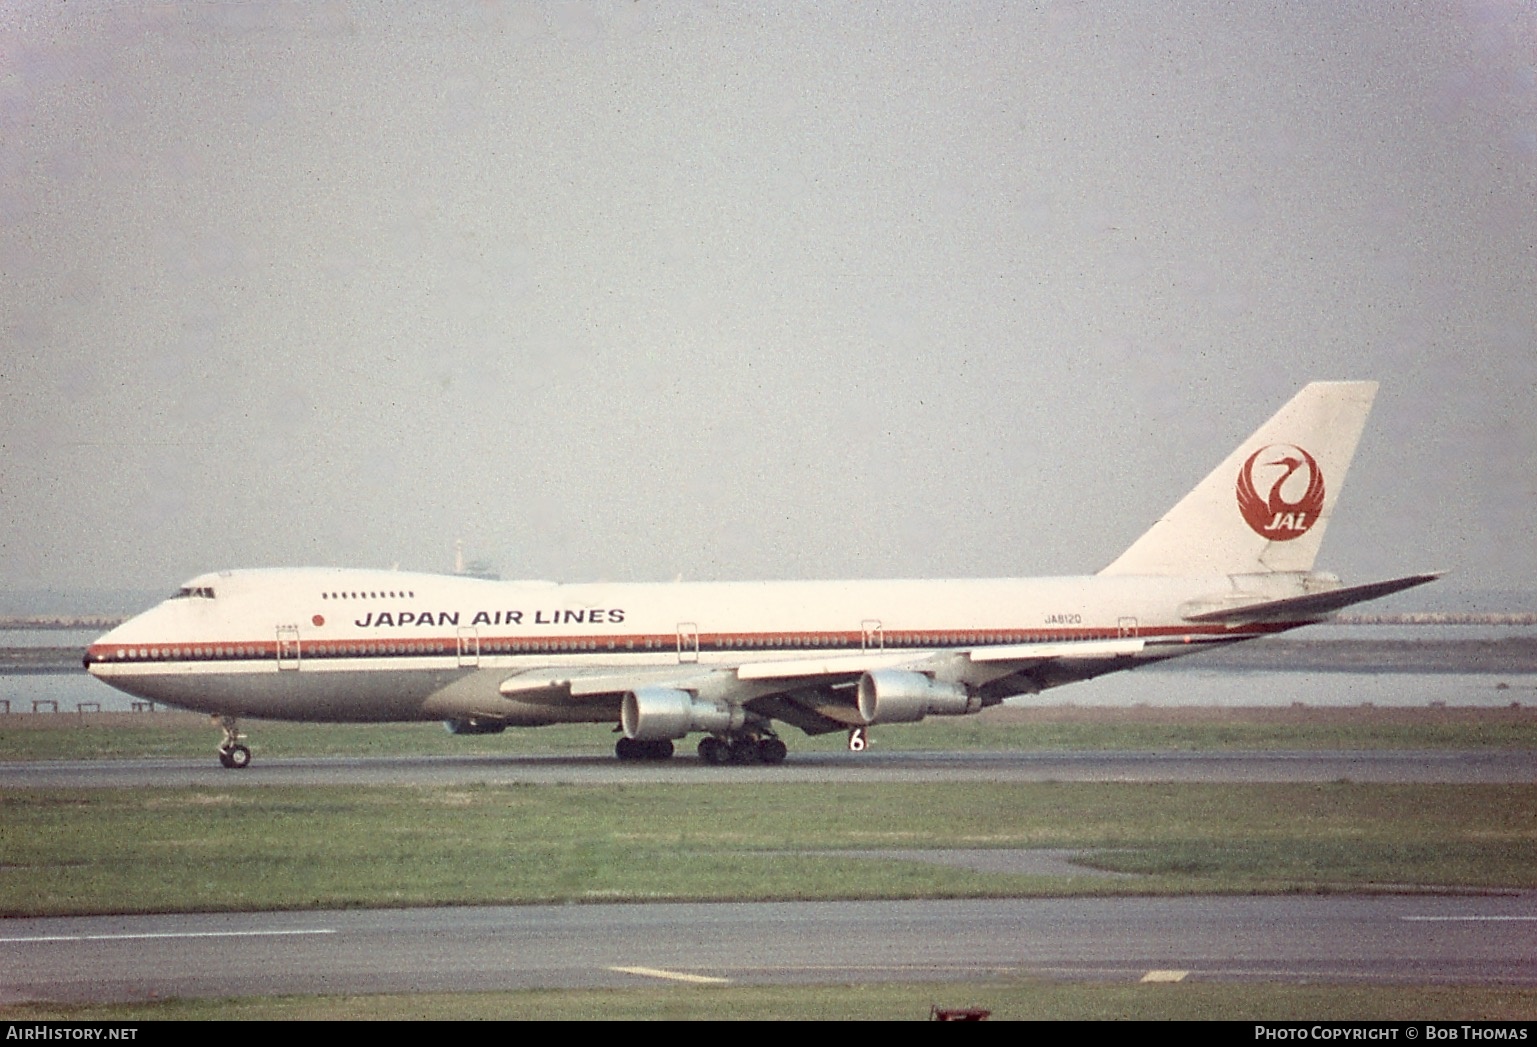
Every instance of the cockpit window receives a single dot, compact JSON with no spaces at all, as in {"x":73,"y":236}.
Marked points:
{"x":200,"y":592}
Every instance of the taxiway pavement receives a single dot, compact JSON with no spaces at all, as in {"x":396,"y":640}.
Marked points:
{"x":1374,"y":765}
{"x":1413,"y":939}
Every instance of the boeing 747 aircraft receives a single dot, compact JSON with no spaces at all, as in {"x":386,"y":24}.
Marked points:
{"x":733,"y":660}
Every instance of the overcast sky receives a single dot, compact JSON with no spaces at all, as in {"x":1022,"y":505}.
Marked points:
{"x":627,"y":291}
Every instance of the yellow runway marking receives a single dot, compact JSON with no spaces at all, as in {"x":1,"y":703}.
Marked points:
{"x":1164,"y":976}
{"x":676,"y":976}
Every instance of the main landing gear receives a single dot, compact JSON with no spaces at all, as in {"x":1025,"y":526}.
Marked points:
{"x":743,"y":749}
{"x":713,"y":749}
{"x":231,"y":753}
{"x":635,"y":749}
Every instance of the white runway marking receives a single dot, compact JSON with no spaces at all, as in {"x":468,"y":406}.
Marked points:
{"x":676,"y":976}
{"x":161,"y":934}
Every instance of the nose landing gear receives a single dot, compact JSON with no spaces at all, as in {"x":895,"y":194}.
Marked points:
{"x":232,"y":754}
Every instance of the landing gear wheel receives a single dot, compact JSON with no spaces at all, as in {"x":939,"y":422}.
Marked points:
{"x":713,"y":751}
{"x":636,"y":749}
{"x":772,"y":751}
{"x":232,"y":754}
{"x":744,"y":750}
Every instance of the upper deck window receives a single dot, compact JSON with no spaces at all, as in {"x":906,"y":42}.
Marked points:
{"x":403,"y":594}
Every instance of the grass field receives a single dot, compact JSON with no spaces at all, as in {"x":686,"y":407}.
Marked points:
{"x":158,"y":850}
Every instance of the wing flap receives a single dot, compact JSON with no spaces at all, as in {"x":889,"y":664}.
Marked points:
{"x":1046,"y":652}
{"x":838,"y":665}
{"x":554,"y":685}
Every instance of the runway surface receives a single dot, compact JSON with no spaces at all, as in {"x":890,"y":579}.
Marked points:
{"x":1488,"y":940}
{"x":1375,"y":765}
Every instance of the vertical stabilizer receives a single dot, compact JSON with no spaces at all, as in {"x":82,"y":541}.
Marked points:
{"x":1266,"y":506}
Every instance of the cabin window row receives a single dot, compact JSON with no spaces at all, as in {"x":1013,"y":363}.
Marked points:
{"x":155,"y":654}
{"x":404,"y":594}
{"x":323,"y":649}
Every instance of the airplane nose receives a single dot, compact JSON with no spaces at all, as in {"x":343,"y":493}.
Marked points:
{"x":96,"y":652}
{"x":102,"y":650}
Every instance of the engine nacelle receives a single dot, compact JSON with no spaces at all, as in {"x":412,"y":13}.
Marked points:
{"x":894,"y":696}
{"x":472,"y":725}
{"x":654,"y":713}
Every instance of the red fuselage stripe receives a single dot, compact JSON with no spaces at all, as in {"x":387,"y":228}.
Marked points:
{"x":747,"y":643}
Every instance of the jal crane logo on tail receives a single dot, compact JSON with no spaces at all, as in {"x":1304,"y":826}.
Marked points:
{"x":1296,"y":492}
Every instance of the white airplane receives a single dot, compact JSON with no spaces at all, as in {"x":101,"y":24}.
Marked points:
{"x":1232,"y":561}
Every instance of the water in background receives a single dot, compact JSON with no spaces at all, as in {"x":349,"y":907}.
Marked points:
{"x":1169,"y":686}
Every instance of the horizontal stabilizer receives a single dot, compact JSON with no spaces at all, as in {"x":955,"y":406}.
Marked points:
{"x":1316,"y":605}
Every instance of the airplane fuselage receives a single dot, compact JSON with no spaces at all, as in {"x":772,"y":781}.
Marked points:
{"x":343,"y":645}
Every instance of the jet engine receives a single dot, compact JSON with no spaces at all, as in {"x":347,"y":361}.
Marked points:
{"x":894,"y":696}
{"x":654,"y":713}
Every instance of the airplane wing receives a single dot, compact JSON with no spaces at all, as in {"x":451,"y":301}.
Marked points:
{"x":817,"y":694}
{"x":821,"y":693}
{"x":1315,"y":605}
